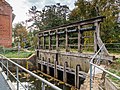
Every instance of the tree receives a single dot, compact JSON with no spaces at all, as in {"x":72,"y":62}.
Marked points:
{"x":35,"y":17}
{"x":110,"y":8}
{"x":20,"y":34}
{"x":50,"y":16}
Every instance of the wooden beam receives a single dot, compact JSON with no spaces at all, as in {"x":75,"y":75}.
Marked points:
{"x":79,"y":40}
{"x":55,"y":69}
{"x":65,"y":73}
{"x":99,"y":41}
{"x":43,"y":42}
{"x":74,"y":24}
{"x":57,"y":40}
{"x":77,"y":79}
{"x":48,"y":68}
{"x":66,"y":46}
{"x":49,"y":41}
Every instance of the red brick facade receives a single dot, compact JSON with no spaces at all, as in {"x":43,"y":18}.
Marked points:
{"x":5,"y":24}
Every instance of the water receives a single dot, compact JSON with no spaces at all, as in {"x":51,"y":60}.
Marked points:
{"x":32,"y":83}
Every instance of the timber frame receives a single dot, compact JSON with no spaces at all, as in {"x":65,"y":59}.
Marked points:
{"x":92,"y":24}
{"x":51,"y":56}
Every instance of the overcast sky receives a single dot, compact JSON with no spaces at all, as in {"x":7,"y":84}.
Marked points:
{"x":21,"y":7}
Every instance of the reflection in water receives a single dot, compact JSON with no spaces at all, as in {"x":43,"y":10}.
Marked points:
{"x":32,"y":83}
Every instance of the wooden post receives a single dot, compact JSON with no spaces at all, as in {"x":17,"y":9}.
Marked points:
{"x":49,"y":41}
{"x":43,"y":41}
{"x":37,"y":58}
{"x":95,"y":39}
{"x":38,"y":42}
{"x":64,"y":72}
{"x":57,"y":40}
{"x":48,"y":69}
{"x":41,"y":64}
{"x":79,"y":40}
{"x":55,"y":68}
{"x":66,"y":46}
{"x":77,"y":80}
{"x":98,"y":39}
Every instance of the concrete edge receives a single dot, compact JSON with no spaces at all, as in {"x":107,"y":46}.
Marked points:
{"x":24,"y":58}
{"x":12,"y":87}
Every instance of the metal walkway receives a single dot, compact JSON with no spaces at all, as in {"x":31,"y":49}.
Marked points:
{"x":3,"y":83}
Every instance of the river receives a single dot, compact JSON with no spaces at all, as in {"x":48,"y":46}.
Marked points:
{"x":32,"y":83}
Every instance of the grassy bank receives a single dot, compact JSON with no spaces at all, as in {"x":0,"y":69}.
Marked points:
{"x":13,"y":53}
{"x":115,"y":68}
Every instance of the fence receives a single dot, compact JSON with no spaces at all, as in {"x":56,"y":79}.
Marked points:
{"x":95,"y":64}
{"x":113,"y":47}
{"x":29,"y":72}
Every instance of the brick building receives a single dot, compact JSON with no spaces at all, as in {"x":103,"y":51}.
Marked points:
{"x":5,"y":24}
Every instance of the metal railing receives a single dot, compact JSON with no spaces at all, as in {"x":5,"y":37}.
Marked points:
{"x":95,"y":65}
{"x":29,"y":72}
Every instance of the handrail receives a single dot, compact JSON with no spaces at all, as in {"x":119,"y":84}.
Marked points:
{"x":34,"y":75}
{"x":96,"y":53}
{"x":106,"y":71}
{"x":92,"y":64}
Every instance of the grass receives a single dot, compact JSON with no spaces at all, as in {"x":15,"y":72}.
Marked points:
{"x":115,"y":68}
{"x":11,"y":53}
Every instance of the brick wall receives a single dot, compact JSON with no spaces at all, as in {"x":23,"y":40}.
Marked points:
{"x":5,"y":24}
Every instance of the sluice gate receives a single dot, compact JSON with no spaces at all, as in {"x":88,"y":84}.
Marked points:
{"x":65,"y":51}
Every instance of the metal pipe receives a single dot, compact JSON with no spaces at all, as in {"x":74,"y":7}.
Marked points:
{"x":90,"y":76}
{"x":43,"y":86}
{"x":14,"y":77}
{"x":34,"y":75}
{"x":2,"y":63}
{"x":96,"y":53}
{"x":17,"y":73}
{"x":7,"y":69}
{"x":105,"y":70}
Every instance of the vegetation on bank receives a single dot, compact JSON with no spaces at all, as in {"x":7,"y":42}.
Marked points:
{"x":14,"y":53}
{"x":115,"y":68}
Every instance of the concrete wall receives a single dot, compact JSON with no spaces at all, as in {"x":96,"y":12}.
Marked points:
{"x":72,"y":59}
{"x":28,"y":63}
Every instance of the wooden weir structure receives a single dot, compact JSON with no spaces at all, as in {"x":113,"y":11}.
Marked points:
{"x":63,"y":49}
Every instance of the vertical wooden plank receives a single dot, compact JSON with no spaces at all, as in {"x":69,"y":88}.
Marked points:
{"x":38,"y":44}
{"x":42,"y":64}
{"x":64,"y":72}
{"x":48,"y":68}
{"x":49,"y":41}
{"x":37,"y":57}
{"x":98,"y":39}
{"x":79,"y":40}
{"x":55,"y":69}
{"x":57,"y":40}
{"x":43,"y":41}
{"x":95,"y":37}
{"x":77,"y":80}
{"x":66,"y":46}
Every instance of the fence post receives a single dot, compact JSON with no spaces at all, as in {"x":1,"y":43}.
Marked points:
{"x":7,"y":69}
{"x":43,"y":86}
{"x":17,"y":72}
{"x":2,"y":63}
{"x":90,"y":76}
